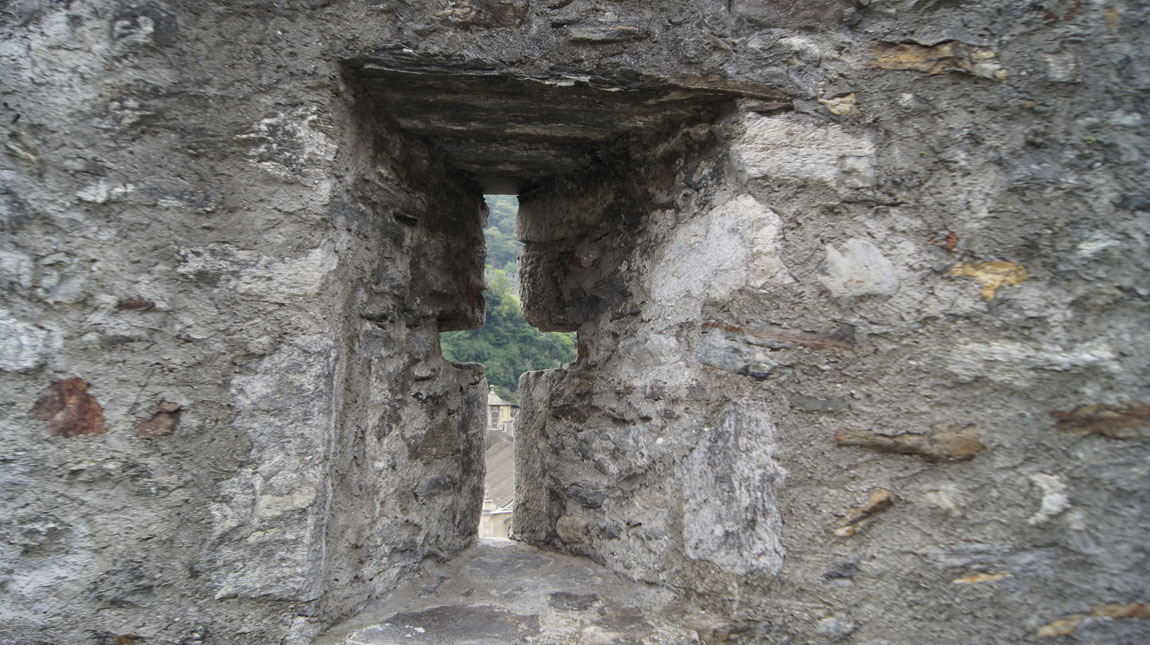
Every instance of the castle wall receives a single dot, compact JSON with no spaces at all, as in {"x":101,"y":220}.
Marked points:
{"x":863,"y":355}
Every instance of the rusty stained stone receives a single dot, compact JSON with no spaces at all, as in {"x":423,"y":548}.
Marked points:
{"x":979,"y":578}
{"x":779,"y":338}
{"x":859,"y":516}
{"x":1130,"y":421}
{"x":69,"y":409}
{"x":162,"y":423}
{"x":441,"y":440}
{"x":945,"y":442}
{"x":1067,"y":624}
{"x":951,"y":56}
{"x":845,"y":105}
{"x":991,"y":276}
{"x":135,"y":304}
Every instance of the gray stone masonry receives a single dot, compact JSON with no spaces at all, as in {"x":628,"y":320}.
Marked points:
{"x":861,"y":290}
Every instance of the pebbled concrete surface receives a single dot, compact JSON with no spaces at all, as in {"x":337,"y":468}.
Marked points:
{"x":500,"y":591}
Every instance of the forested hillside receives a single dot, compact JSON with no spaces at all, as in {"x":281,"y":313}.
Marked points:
{"x":506,"y":344}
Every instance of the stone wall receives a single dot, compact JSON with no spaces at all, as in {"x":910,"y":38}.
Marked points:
{"x":226,"y":418}
{"x":862,"y":352}
{"x":872,"y":362}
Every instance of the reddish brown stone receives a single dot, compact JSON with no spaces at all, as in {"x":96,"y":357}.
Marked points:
{"x":163,"y":422}
{"x":950,"y":56}
{"x":859,"y":516}
{"x":772,"y":107}
{"x":1067,"y":624}
{"x":944,"y":442}
{"x":69,"y":409}
{"x":1130,"y":421}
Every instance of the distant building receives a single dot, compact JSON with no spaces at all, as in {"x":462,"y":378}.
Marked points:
{"x":495,"y":522}
{"x":499,"y":412}
{"x":499,"y":455}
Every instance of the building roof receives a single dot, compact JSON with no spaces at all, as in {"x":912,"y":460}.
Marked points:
{"x":495,"y":399}
{"x":500,"y":459}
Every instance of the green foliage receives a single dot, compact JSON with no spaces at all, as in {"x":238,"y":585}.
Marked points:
{"x":506,"y":344}
{"x":502,"y":246}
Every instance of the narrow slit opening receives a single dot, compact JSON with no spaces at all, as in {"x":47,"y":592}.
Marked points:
{"x":507,"y":345}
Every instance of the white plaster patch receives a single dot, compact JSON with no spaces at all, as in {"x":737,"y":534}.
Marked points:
{"x":63,"y":279}
{"x":1092,"y":245}
{"x":289,"y":143}
{"x":948,"y":499}
{"x":1016,"y":363}
{"x":790,"y":148}
{"x":103,"y":192}
{"x":302,"y":276}
{"x":22,"y":346}
{"x":735,"y":245}
{"x":1054,"y":498}
{"x":15,"y":268}
{"x":859,"y":270}
{"x":270,"y":506}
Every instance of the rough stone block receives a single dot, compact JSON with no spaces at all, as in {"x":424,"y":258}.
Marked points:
{"x":735,"y":245}
{"x":944,"y":442}
{"x":610,"y":33}
{"x":859,"y":516}
{"x":1019,"y":364}
{"x":725,"y":351}
{"x":783,"y":13}
{"x":991,"y":276}
{"x":950,"y":56}
{"x":789,"y":148}
{"x":860,"y":269}
{"x":162,"y":423}
{"x":731,"y":516}
{"x":1130,"y":421}
{"x":22,"y":346}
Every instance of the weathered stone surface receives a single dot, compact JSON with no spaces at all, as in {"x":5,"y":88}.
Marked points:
{"x":817,"y":404}
{"x":572,"y":529}
{"x":730,"y":352}
{"x":503,"y":592}
{"x":1054,"y":498}
{"x":547,"y":125}
{"x":979,"y":578}
{"x":779,"y":338}
{"x":610,"y":33}
{"x":1020,"y":364}
{"x":774,"y":13}
{"x":1069,"y":624}
{"x":484,"y":13}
